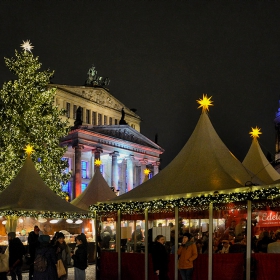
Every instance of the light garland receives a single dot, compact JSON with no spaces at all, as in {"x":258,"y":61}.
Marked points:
{"x":262,"y":197}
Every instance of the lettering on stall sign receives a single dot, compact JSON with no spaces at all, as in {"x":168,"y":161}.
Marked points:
{"x":271,"y":216}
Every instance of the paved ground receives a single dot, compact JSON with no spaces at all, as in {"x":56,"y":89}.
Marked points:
{"x":90,"y":273}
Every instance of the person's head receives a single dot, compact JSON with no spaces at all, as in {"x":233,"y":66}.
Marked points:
{"x":60,"y":237}
{"x":225,"y":243}
{"x":186,"y":237}
{"x":160,"y":238}
{"x":11,"y":235}
{"x":79,"y":239}
{"x":36,"y":230}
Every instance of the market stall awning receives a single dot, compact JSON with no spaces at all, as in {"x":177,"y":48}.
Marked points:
{"x":97,"y":190}
{"x":28,"y":193}
{"x":203,"y":165}
{"x":256,"y":161}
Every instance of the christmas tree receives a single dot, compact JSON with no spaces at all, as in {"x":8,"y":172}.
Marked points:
{"x":28,"y":116}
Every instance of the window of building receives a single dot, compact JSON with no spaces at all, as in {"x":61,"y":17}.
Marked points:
{"x":87,"y":116}
{"x":74,"y":112}
{"x":99,"y":119}
{"x":150,"y":176}
{"x":84,"y":169}
{"x":94,"y":121}
{"x":83,"y":186}
{"x":105,"y":120}
{"x":67,"y":110}
{"x":65,"y":187}
{"x":116,"y":122}
{"x":110,"y":121}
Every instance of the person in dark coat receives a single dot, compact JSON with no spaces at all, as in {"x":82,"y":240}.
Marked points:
{"x":63,"y":253}
{"x":16,"y":252}
{"x":33,"y":243}
{"x":80,"y":258}
{"x":160,"y":258}
{"x":45,"y":249}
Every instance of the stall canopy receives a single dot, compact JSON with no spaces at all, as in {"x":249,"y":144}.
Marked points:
{"x":28,"y":192}
{"x":256,"y":161}
{"x":203,"y":165}
{"x":97,"y":190}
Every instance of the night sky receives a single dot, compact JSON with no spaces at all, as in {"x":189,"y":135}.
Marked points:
{"x":161,"y":56}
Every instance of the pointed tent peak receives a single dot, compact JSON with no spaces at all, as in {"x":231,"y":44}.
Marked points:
{"x":205,"y":102}
{"x":255,"y":132}
{"x":29,"y":150}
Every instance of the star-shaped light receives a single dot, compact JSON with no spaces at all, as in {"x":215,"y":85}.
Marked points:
{"x":255,"y":132}
{"x":205,"y":102}
{"x":29,"y":150}
{"x":97,"y":162}
{"x":26,"y":46}
{"x":147,"y":171}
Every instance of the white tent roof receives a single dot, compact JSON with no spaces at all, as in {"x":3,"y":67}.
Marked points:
{"x":256,"y":161}
{"x":203,"y":165}
{"x":97,"y":190}
{"x":28,"y":192}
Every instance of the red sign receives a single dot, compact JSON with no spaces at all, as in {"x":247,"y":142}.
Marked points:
{"x":268,"y":219}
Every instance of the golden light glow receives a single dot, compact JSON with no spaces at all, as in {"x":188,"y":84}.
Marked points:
{"x":67,"y":198}
{"x":205,"y":102}
{"x":97,"y":162}
{"x":29,"y":150}
{"x":147,"y":171}
{"x":255,"y":132}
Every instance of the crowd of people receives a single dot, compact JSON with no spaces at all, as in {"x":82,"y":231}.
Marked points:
{"x":48,"y":259}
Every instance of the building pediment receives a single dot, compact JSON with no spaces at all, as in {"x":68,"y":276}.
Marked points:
{"x":97,"y":95}
{"x":124,"y":132}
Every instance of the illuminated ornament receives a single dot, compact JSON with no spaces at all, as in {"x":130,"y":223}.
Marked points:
{"x":97,"y":162}
{"x":29,"y":150}
{"x":147,"y":171}
{"x":26,"y":46}
{"x":67,"y":198}
{"x":255,"y":132}
{"x":205,"y":102}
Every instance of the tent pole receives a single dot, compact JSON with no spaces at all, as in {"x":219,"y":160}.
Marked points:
{"x":146,"y":245}
{"x":176,"y":241}
{"x":118,"y":243}
{"x":248,"y":241}
{"x":210,"y":242}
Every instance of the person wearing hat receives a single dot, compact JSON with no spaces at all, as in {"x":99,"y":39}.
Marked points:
{"x":226,"y":245}
{"x":62,"y":253}
{"x":33,"y":243}
{"x":47,"y":252}
{"x":187,"y":254}
{"x":16,"y":252}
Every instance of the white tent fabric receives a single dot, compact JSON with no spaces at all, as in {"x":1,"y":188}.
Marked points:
{"x":97,"y":190}
{"x":28,"y":192}
{"x":203,"y":165}
{"x":257,"y":163}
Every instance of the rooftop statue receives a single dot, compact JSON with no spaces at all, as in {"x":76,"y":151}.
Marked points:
{"x":122,"y":121}
{"x":94,"y":80}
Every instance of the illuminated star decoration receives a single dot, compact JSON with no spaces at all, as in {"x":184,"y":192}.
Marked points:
{"x":255,"y":132}
{"x":26,"y":46}
{"x":29,"y":150}
{"x":147,"y":171}
{"x":97,"y":162}
{"x":205,"y":102}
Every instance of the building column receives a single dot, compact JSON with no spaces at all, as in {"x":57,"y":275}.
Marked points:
{"x":130,"y":161}
{"x":115,"y":171}
{"x":143,"y":167}
{"x":95,"y":155}
{"x":156,"y":167}
{"x":77,"y":188}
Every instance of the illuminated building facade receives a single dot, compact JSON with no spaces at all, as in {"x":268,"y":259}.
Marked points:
{"x":104,"y":128}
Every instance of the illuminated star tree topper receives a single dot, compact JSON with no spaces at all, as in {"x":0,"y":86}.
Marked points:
{"x":97,"y":162}
{"x":26,"y":46}
{"x":255,"y":132}
{"x":29,"y":150}
{"x":205,"y":102}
